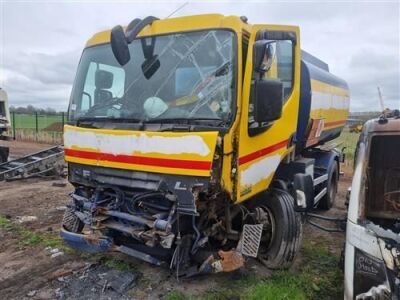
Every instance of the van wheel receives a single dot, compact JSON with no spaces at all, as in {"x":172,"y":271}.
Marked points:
{"x":3,"y":155}
{"x":282,"y":232}
{"x":328,"y":200}
{"x":71,"y":222}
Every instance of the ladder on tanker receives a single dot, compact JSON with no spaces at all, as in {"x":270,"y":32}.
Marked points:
{"x":40,"y":163}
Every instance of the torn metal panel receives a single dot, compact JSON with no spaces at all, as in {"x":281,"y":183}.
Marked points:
{"x":227,"y":261}
{"x":380,"y":292}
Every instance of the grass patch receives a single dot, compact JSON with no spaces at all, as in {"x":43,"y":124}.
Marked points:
{"x":5,"y":224}
{"x":318,"y":278}
{"x":281,"y":286}
{"x":177,"y":295}
{"x":52,"y":240}
{"x":28,"y":237}
{"x":326,"y":277}
{"x":110,"y":260}
{"x":25,"y":121}
{"x":115,"y":263}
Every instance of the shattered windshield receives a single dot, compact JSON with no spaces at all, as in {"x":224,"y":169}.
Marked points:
{"x":194,"y":80}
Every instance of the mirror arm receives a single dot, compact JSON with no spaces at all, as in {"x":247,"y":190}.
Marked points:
{"x":132,"y":24}
{"x":132,"y":34}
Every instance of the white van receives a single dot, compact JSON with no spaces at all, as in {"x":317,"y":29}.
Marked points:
{"x":5,"y":122}
{"x":372,"y":252}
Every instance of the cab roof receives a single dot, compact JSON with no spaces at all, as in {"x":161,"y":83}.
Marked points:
{"x":180,"y":24}
{"x":384,"y":125}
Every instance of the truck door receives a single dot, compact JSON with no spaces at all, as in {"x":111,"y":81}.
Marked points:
{"x":263,"y":145}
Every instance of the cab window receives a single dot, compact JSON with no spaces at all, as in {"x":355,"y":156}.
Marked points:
{"x":278,"y":61}
{"x":280,"y":64}
{"x":103,"y":82}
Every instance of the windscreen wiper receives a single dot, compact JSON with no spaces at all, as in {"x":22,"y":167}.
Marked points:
{"x":180,"y":120}
{"x":109,"y":119}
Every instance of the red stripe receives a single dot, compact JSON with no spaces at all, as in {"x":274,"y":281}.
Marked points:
{"x":331,"y":124}
{"x":262,"y":152}
{"x":140,"y":160}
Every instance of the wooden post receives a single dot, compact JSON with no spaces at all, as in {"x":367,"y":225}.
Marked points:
{"x":37,"y":122}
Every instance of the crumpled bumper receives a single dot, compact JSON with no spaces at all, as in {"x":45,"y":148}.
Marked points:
{"x":93,"y":244}
{"x":88,"y":243}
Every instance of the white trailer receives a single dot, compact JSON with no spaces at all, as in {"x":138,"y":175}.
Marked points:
{"x":5,"y":123}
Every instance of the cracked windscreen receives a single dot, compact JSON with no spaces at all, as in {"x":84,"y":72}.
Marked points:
{"x":194,"y":80}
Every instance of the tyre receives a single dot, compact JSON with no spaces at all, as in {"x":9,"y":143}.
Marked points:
{"x":328,"y":200}
{"x":279,"y":249}
{"x":71,"y":222}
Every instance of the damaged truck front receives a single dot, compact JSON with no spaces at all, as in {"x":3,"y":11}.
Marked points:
{"x":372,"y":252}
{"x":192,"y":142}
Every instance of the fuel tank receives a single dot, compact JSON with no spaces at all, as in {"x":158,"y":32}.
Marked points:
{"x":324,"y":103}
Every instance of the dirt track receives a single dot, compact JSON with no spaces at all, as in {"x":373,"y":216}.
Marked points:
{"x":30,"y":270}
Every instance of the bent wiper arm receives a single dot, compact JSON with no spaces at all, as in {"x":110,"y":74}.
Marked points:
{"x":180,"y":120}
{"x":108,"y":119}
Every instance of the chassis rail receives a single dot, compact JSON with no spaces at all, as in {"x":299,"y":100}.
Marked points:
{"x":35,"y":164}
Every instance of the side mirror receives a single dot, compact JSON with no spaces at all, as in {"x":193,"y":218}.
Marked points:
{"x":263,"y":53}
{"x":119,"y":45}
{"x":303,"y":186}
{"x":150,"y":66}
{"x":103,"y":79}
{"x":268,"y":100}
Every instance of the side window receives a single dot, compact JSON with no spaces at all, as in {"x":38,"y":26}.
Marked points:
{"x":278,"y":63}
{"x":102,"y":83}
{"x":281,"y":64}
{"x":118,"y":84}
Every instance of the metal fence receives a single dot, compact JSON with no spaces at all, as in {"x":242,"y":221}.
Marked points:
{"x":38,"y":127}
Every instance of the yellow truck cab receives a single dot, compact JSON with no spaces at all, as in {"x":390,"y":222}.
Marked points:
{"x":195,"y":142}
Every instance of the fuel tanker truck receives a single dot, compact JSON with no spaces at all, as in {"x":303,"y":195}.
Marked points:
{"x":196,"y":142}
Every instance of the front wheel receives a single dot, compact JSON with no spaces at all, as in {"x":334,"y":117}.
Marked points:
{"x":71,"y":222}
{"x":282,"y":235}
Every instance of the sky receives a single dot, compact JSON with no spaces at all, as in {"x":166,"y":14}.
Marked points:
{"x":41,"y":41}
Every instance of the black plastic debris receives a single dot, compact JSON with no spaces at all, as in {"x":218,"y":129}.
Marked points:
{"x":96,"y":281}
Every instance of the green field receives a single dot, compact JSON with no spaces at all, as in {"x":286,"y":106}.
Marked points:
{"x":23,"y":121}
{"x":348,"y":140}
{"x":317,"y":276}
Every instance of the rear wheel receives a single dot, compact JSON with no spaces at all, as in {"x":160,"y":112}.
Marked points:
{"x":71,"y":222}
{"x":281,"y":237}
{"x":328,"y":200}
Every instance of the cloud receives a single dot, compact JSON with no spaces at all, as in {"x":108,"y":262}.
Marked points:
{"x":49,"y":69}
{"x":40,"y":42}
{"x":371,"y":69}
